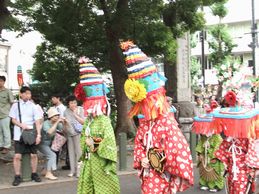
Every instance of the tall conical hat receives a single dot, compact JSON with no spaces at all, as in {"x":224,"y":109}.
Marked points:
{"x":144,"y":86}
{"x":91,"y":89}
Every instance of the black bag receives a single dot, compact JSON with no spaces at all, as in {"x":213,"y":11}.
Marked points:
{"x":28,"y":136}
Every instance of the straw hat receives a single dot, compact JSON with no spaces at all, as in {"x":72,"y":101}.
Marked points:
{"x":52,"y":112}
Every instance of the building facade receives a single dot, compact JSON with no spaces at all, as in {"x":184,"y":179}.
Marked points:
{"x":238,"y":22}
{"x":4,"y":61}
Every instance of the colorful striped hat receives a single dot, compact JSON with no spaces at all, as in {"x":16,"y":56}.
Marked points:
{"x":137,"y":63}
{"x":89,"y":75}
{"x":144,"y":86}
{"x":91,"y":89}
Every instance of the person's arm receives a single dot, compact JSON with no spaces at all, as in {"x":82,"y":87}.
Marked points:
{"x":11,"y":98}
{"x":13,"y":115}
{"x":53,"y":128}
{"x":78,"y":115}
{"x":37,"y":118}
{"x":38,"y":129}
{"x":19,"y":124}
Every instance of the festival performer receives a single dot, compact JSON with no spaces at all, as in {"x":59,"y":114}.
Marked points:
{"x":98,"y":169}
{"x":210,"y":168}
{"x":161,"y":154}
{"x":238,"y":151}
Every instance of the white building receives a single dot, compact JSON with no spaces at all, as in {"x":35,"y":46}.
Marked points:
{"x":238,"y":20}
{"x":4,"y":61}
{"x":17,"y":51}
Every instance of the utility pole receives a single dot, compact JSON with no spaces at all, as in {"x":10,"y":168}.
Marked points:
{"x":254,"y":37}
{"x":202,"y":56}
{"x":202,"y":37}
{"x":254,"y":44}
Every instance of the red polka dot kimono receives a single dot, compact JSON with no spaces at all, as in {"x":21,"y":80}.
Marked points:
{"x":240,"y":158}
{"x":178,"y":173}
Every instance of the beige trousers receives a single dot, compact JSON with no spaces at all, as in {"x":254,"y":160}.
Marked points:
{"x":74,"y":152}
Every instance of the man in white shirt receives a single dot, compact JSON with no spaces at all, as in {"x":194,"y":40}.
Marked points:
{"x":56,"y":101}
{"x":29,"y":117}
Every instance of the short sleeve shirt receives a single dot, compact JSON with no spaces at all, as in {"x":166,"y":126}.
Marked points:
{"x":61,"y":109}
{"x":29,"y":114}
{"x":47,"y":138}
{"x":6,"y":99}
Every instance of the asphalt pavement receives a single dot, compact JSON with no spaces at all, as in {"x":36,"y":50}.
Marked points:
{"x":130,"y":184}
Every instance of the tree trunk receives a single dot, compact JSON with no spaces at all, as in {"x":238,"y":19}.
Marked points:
{"x":119,"y":75}
{"x":171,"y":75}
{"x":4,"y":13}
{"x":115,"y":26}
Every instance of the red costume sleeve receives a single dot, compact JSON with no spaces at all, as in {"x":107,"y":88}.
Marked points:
{"x":222,"y":152}
{"x":139,"y":149}
{"x":252,"y":158}
{"x":177,"y":151}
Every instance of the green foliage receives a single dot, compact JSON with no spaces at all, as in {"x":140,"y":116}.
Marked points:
{"x":196,"y":74}
{"x":219,"y":9}
{"x":94,"y":28}
{"x":182,"y":16}
{"x":56,"y":67}
{"x":221,"y":45}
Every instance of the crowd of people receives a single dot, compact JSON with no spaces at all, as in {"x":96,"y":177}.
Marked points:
{"x":26,"y":114}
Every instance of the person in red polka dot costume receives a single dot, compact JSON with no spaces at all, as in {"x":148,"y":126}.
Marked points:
{"x":239,"y":157}
{"x":157,"y":129}
{"x":246,"y":163}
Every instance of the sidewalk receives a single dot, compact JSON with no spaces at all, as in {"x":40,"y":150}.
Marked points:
{"x":7,"y":172}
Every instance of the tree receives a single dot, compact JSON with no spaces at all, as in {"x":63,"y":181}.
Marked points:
{"x":221,"y":46}
{"x":95,"y":28}
{"x":4,"y":13}
{"x":48,"y":69}
{"x":92,"y":28}
{"x":181,"y":16}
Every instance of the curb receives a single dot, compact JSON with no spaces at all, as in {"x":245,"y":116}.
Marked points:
{"x":60,"y":180}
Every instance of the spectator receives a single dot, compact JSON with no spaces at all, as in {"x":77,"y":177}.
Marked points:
{"x":29,"y":117}
{"x":50,"y":127}
{"x":198,"y":110}
{"x":6,"y":100}
{"x":175,"y":110}
{"x":75,"y":118}
{"x":36,"y":100}
{"x":57,"y":103}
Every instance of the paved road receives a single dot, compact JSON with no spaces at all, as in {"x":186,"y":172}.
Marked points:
{"x":129,"y":185}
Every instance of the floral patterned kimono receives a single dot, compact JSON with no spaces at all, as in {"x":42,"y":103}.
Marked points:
{"x":165,"y":135}
{"x":211,"y":169}
{"x":240,"y":158}
{"x":98,"y":170}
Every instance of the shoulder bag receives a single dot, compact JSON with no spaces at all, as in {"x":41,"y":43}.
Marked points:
{"x":28,"y":136}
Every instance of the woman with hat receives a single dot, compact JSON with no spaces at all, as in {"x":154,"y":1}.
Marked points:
{"x":50,"y":126}
{"x":99,"y":153}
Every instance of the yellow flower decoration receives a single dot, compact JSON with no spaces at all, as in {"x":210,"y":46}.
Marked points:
{"x":134,"y":90}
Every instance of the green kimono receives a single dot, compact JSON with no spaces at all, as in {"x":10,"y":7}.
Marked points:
{"x":211,"y":169}
{"x":98,"y":170}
